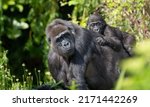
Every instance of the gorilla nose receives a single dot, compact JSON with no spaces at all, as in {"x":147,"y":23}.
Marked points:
{"x":65,"y":44}
{"x":96,"y":29}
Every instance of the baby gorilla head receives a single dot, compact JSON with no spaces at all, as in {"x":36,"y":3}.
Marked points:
{"x":96,"y":23}
{"x":62,"y":39}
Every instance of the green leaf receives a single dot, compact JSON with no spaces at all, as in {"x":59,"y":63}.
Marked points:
{"x":20,"y":25}
{"x":72,"y":3}
{"x":14,"y":33}
{"x":11,"y":2}
{"x":5,"y":6}
{"x":24,"y":25}
{"x":20,"y":7}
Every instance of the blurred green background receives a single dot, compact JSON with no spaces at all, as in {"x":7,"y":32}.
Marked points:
{"x":23,"y":47}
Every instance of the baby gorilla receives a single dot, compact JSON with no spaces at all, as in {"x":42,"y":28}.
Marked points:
{"x":114,"y":44}
{"x":112,"y":37}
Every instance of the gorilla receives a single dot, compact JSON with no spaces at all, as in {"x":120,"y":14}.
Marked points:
{"x":112,"y":37}
{"x":115,"y":44}
{"x":76,"y":56}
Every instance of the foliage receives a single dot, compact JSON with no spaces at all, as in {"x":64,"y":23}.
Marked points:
{"x":82,"y":9}
{"x":11,"y":82}
{"x":137,"y":68}
{"x":4,"y":72}
{"x":147,"y":6}
{"x":8,"y":81}
{"x":22,"y":32}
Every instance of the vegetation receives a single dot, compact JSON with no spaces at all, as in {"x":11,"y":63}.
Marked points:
{"x":23,"y":47}
{"x":137,"y":68}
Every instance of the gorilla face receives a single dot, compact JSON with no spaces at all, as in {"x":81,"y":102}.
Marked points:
{"x":64,"y":44}
{"x":96,"y":24}
{"x":62,"y":39}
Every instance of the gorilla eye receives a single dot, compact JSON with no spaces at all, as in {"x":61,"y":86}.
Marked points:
{"x":91,"y":25}
{"x":58,"y":39}
{"x":98,"y":23}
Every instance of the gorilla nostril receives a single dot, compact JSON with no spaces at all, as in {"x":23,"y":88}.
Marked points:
{"x":96,"y":30}
{"x":67,"y":43}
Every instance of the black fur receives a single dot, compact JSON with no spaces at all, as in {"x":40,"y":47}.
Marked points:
{"x":119,"y":41}
{"x":86,"y":65}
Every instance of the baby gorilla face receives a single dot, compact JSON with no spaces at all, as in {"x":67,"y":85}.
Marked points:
{"x":96,"y":23}
{"x":97,"y":26}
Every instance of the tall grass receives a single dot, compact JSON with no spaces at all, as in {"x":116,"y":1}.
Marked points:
{"x":10,"y":82}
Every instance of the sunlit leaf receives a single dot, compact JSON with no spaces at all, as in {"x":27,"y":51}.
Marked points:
{"x":20,"y":7}
{"x":143,"y":48}
{"x":14,"y":33}
{"x":73,"y":3}
{"x":133,"y":64}
{"x":24,"y":25}
{"x":20,"y":25}
{"x":5,"y":6}
{"x":11,"y":2}
{"x":138,"y":67}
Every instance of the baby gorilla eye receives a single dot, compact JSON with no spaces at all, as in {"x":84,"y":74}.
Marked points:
{"x":98,"y":24}
{"x":91,"y":26}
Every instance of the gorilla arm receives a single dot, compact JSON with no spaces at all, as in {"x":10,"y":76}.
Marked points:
{"x":109,"y":39}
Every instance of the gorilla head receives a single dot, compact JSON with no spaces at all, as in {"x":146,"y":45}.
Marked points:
{"x":96,"y":23}
{"x":62,"y":39}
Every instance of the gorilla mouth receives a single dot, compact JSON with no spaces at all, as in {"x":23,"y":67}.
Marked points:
{"x":69,"y":51}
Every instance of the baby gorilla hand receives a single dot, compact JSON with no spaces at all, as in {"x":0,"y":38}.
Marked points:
{"x":100,"y":41}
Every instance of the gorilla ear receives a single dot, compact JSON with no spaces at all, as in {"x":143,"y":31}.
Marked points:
{"x":49,"y":40}
{"x":47,"y":30}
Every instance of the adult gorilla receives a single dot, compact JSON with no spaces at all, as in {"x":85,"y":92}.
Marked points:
{"x":76,"y":56}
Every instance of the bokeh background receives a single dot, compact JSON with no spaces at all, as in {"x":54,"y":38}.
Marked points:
{"x":23,"y":47}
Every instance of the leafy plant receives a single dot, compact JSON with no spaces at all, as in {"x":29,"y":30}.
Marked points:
{"x":137,"y":68}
